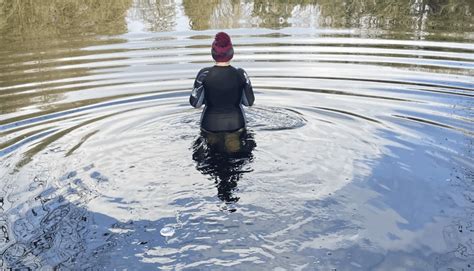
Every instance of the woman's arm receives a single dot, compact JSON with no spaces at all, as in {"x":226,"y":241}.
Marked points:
{"x":247,"y":96}
{"x":197,"y":95}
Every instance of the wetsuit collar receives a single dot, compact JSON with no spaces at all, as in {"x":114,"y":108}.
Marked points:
{"x":222,"y":64}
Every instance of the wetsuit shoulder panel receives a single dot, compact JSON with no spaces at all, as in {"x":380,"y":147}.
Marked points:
{"x":196,"y":99}
{"x":248,"y":97}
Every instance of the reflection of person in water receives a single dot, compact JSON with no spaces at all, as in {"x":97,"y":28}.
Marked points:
{"x":223,"y":157}
{"x":223,"y":89}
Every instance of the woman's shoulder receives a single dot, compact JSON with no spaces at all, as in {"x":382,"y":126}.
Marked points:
{"x":203,"y":73}
{"x":238,"y":69}
{"x":205,"y":69}
{"x":242,"y":73}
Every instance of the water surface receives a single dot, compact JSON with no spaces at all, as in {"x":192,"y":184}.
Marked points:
{"x":358,"y":155}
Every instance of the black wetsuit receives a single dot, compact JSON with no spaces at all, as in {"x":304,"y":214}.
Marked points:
{"x":223,"y":89}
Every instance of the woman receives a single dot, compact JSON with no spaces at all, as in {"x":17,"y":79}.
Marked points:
{"x":223,"y":89}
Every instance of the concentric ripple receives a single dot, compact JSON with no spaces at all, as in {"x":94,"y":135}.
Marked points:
{"x":359,"y":154}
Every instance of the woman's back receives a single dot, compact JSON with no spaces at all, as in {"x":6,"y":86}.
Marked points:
{"x":223,"y":89}
{"x":223,"y":86}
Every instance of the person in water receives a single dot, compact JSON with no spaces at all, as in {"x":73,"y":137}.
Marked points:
{"x":223,"y":89}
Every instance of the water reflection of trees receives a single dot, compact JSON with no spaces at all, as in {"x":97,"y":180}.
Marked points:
{"x":30,"y":18}
{"x":396,"y":15}
{"x":273,"y":14}
{"x":35,"y":32}
{"x":404,"y":15}
{"x":199,"y":12}
{"x":158,"y":15}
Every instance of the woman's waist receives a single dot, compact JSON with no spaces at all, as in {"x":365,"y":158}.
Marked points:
{"x":223,"y":110}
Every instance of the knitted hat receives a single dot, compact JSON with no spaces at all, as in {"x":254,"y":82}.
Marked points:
{"x":222,"y":50}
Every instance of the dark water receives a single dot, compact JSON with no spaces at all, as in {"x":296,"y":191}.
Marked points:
{"x":359,"y":153}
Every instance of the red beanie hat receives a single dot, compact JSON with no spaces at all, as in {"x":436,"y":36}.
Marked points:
{"x":222,"y":50}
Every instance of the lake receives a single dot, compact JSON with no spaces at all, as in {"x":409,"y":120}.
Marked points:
{"x":358,"y":153}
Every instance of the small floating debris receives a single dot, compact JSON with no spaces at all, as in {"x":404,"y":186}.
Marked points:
{"x":167,"y":231}
{"x":89,"y":167}
{"x":98,"y":177}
